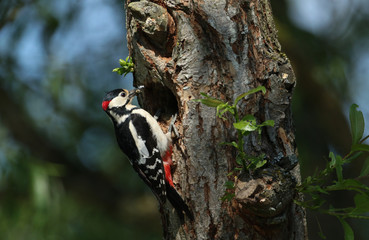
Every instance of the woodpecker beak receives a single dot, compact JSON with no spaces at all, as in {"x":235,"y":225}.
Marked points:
{"x":135,"y":91}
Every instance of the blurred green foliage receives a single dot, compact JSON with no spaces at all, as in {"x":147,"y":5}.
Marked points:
{"x":62,"y":175}
{"x":318,"y":187}
{"x":329,"y":67}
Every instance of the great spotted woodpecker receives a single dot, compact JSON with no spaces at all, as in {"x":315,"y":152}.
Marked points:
{"x":145,"y":144}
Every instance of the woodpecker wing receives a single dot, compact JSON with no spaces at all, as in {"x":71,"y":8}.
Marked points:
{"x":148,"y":164}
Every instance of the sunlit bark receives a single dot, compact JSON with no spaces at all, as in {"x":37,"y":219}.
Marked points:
{"x":222,"y":48}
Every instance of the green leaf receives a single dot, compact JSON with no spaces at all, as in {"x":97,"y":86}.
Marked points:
{"x":210,"y":102}
{"x":222,"y":109}
{"x":245,"y":126}
{"x":308,"y":180}
{"x":339,"y":168}
{"x":349,"y":234}
{"x":321,"y":190}
{"x":248,"y":123}
{"x":332,"y":163}
{"x":355,"y":183}
{"x":267,"y":123}
{"x":321,"y":234}
{"x":365,"y":169}
{"x":230,"y":173}
{"x":336,"y":162}
{"x":254,"y":90}
{"x":260,"y":163}
{"x":257,"y":162}
{"x":228,"y":197}
{"x":357,"y":124}
{"x":239,"y":160}
{"x":360,"y":147}
{"x":249,"y":118}
{"x":229,"y":185}
{"x":361,"y":203}
{"x":127,"y":66}
{"x":348,"y":184}
{"x":233,"y":144}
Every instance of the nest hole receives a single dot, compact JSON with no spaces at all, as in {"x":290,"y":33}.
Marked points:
{"x":157,"y":97}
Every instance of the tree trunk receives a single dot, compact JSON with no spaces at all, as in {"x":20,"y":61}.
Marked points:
{"x":223,"y":48}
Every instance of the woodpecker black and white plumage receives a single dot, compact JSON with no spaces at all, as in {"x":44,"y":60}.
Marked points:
{"x":149,"y":150}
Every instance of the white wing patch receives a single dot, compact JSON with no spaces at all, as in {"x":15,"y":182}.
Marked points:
{"x":140,"y":143}
{"x":142,"y":149}
{"x":161,"y":138}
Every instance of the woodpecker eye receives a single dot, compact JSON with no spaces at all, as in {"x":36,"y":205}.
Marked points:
{"x":123,"y":94}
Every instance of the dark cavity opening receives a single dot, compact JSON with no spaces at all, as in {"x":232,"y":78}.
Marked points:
{"x":157,"y":97}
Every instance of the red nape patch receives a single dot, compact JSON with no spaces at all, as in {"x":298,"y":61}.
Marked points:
{"x":105,"y":105}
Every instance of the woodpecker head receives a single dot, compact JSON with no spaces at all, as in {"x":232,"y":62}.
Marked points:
{"x":119,"y":98}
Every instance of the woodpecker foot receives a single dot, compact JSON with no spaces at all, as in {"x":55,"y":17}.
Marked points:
{"x":172,"y":126}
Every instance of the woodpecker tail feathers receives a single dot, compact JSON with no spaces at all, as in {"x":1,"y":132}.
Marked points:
{"x":177,"y":202}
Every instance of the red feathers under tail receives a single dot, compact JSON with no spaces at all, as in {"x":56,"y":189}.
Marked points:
{"x":174,"y":198}
{"x":167,"y":161}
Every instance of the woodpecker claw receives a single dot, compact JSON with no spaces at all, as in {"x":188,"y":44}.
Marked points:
{"x":172,"y":126}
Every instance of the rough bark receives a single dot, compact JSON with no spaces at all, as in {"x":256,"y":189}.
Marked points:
{"x":223,"y":48}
